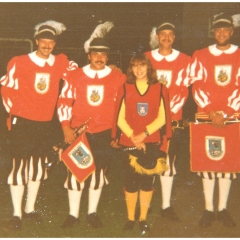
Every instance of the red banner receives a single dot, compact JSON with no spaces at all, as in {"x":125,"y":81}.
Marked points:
{"x":78,"y":158}
{"x":215,"y":149}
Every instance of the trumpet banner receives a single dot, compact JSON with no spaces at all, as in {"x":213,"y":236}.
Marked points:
{"x":78,"y":158}
{"x":215,"y":149}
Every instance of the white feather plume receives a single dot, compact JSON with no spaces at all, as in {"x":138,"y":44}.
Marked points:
{"x":236,"y":20}
{"x":59,"y":27}
{"x":100,"y":31}
{"x":153,"y":41}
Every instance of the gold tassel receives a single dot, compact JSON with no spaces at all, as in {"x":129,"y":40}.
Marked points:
{"x":160,"y":167}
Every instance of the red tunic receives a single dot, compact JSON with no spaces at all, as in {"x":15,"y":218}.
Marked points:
{"x":172,"y":71}
{"x":138,"y":119}
{"x":214,"y":75}
{"x":87,"y":97}
{"x":31,"y":85}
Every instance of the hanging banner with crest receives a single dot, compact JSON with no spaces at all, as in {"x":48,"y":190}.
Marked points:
{"x":78,"y":158}
{"x":214,"y":149}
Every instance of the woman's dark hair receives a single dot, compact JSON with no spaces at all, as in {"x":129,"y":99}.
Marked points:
{"x":144,"y":60}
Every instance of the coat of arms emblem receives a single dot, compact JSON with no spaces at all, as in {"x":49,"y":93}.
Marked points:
{"x":95,"y":95}
{"x":81,"y":155}
{"x":42,"y":81}
{"x":215,"y":147}
{"x":142,"y":109}
{"x":223,"y":74}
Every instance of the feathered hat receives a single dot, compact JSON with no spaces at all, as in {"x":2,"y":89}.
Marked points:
{"x":96,"y":42}
{"x":163,"y":26}
{"x":49,"y":30}
{"x":226,"y":20}
{"x":222,"y":20}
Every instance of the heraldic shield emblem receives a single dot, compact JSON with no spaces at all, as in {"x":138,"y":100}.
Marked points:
{"x":165,"y":77}
{"x":142,"y":109}
{"x":95,"y":95}
{"x":223,"y":74}
{"x":78,"y":158}
{"x":42,"y":81}
{"x":214,"y":149}
{"x":81,"y":155}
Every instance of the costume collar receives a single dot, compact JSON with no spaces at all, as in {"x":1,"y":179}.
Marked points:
{"x":40,"y":61}
{"x":100,"y":73}
{"x":159,"y":57}
{"x":217,"y":52}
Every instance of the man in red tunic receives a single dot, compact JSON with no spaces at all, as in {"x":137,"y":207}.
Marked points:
{"x":172,"y":69}
{"x":214,"y":73}
{"x":30,"y":91}
{"x":90,"y":93}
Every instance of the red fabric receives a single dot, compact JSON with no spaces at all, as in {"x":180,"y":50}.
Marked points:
{"x":74,"y":105}
{"x":80,"y":171}
{"x":120,"y":96}
{"x":136,"y":122}
{"x":208,"y":91}
{"x":177,"y":82}
{"x":199,"y":153}
{"x":20,"y":87}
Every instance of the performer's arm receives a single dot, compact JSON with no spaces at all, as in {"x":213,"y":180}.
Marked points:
{"x":122,"y":123}
{"x":64,"y":111}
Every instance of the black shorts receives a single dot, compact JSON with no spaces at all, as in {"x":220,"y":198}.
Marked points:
{"x":30,"y":138}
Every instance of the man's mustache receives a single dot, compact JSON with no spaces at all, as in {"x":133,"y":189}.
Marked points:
{"x":99,"y":62}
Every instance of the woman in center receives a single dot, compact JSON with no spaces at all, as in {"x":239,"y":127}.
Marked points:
{"x":142,"y":110}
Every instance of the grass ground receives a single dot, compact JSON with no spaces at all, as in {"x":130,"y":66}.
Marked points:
{"x":52,"y":205}
{"x":187,"y":199}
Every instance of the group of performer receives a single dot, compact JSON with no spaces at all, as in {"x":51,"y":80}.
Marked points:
{"x":139,"y":113}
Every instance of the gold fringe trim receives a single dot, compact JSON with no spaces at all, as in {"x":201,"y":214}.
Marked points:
{"x":161,"y":166}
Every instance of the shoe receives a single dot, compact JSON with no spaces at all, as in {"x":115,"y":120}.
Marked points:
{"x":15,"y":223}
{"x":170,"y":213}
{"x":94,"y":220}
{"x":207,"y":218}
{"x":70,"y":222}
{"x":33,"y":215}
{"x":129,"y":225}
{"x":224,"y":217}
{"x":144,"y":228}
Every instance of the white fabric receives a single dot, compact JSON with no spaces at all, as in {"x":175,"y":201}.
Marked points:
{"x":93,"y":199}
{"x":208,"y":190}
{"x":32,"y":191}
{"x":224,"y":188}
{"x":166,"y":184}
{"x":17,"y":196}
{"x":74,"y":198}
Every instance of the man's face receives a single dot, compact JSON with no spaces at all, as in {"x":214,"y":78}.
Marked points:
{"x":223,"y":35}
{"x":165,"y":38}
{"x":45,"y":47}
{"x":97,"y":60}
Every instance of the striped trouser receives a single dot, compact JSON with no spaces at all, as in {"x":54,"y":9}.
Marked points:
{"x":213,"y":175}
{"x":25,"y":170}
{"x":30,"y":148}
{"x":95,"y":181}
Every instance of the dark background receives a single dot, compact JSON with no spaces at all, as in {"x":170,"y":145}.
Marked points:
{"x":133,"y":24}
